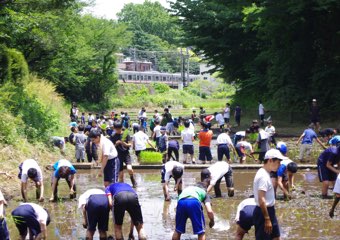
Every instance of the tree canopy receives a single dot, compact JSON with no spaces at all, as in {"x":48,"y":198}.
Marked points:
{"x":72,"y":50}
{"x":284,"y":52}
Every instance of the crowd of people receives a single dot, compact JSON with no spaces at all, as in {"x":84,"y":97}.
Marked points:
{"x":106,"y":141}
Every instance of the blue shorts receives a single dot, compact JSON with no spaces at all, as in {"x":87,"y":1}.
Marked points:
{"x":190,"y":208}
{"x":246,"y":218}
{"x":24,"y":217}
{"x":325,"y":174}
{"x":204,"y":154}
{"x":111,"y":170}
{"x":258,"y":220}
{"x":240,"y":152}
{"x":4,"y":234}
{"x":97,"y":210}
{"x":188,"y":149}
{"x":223,"y":150}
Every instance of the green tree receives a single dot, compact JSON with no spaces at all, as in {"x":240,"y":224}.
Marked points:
{"x":285,"y":52}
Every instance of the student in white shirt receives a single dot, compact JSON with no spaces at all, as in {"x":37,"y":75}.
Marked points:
{"x":29,"y":169}
{"x":213,"y":176}
{"x":33,"y":219}
{"x":188,"y":136}
{"x":226,"y":115}
{"x":220,"y":120}
{"x":139,"y":141}
{"x":336,"y":190}
{"x":264,"y":218}
{"x":244,"y":217}
{"x":4,"y":234}
{"x":171,"y":169}
{"x":95,"y":209}
{"x":270,"y":129}
{"x":109,"y":158}
{"x":224,"y":144}
{"x":242,"y":147}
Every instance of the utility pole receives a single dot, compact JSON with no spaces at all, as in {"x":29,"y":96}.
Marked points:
{"x":188,"y":73}
{"x":180,"y":86}
{"x":134,"y":59}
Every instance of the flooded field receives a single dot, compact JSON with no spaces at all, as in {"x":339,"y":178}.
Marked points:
{"x":305,"y":217}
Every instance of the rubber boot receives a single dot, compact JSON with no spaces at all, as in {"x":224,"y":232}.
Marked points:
{"x":133,"y":181}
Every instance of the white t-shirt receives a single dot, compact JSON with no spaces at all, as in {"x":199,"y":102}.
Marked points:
{"x":285,"y":162}
{"x":245,"y":144}
{"x":2,"y":199}
{"x":224,"y":138}
{"x":220,"y":119}
{"x":27,"y":164}
{"x":64,"y":162}
{"x":261,"y":109}
{"x":40,"y":213}
{"x":107,"y":147}
{"x":187,"y":134}
{"x":168,"y":169}
{"x":1,"y":196}
{"x":244,"y":203}
{"x":337,"y":185}
{"x":90,"y":118}
{"x":270,"y":130}
{"x":226,"y":112}
{"x":157,"y":131}
{"x":263,"y":134}
{"x":241,"y":133}
{"x":263,"y":182}
{"x":86,"y":195}
{"x":191,"y":126}
{"x":139,"y":139}
{"x":218,"y":170}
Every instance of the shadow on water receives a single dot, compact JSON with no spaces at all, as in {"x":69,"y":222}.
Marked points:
{"x":304,"y":217}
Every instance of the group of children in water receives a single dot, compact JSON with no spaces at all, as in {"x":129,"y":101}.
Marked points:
{"x":258,"y":210}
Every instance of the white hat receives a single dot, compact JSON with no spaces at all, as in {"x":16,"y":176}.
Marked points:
{"x":274,"y":153}
{"x":314,"y":100}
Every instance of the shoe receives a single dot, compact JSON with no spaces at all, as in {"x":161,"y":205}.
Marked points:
{"x":193,"y":162}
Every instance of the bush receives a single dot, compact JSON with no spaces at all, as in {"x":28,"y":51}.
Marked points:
{"x":148,"y":157}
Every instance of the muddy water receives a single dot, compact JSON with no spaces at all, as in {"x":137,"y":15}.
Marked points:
{"x":305,"y":217}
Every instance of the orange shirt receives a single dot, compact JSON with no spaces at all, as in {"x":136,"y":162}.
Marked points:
{"x":205,"y":137}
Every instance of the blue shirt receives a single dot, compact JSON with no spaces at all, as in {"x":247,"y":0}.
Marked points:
{"x":61,"y":163}
{"x":116,"y":188}
{"x":334,"y":140}
{"x":173,"y":144}
{"x":331,"y":154}
{"x":309,"y":136}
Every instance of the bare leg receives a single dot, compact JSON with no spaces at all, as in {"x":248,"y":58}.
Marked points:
{"x":118,"y":232}
{"x":324,"y":190}
{"x":176,"y":235}
{"x":201,"y":236}
{"x":121,"y":176}
{"x":89,"y":235}
{"x":102,"y":234}
{"x":240,"y":232}
{"x":141,"y":233}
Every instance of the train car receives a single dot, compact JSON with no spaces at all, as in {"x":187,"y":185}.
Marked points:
{"x":171,"y":79}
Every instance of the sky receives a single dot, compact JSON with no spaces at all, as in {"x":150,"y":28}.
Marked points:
{"x":109,"y":8}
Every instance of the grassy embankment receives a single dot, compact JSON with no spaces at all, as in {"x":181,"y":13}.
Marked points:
{"x":28,"y":119}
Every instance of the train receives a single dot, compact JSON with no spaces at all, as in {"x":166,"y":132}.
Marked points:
{"x":171,"y":79}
